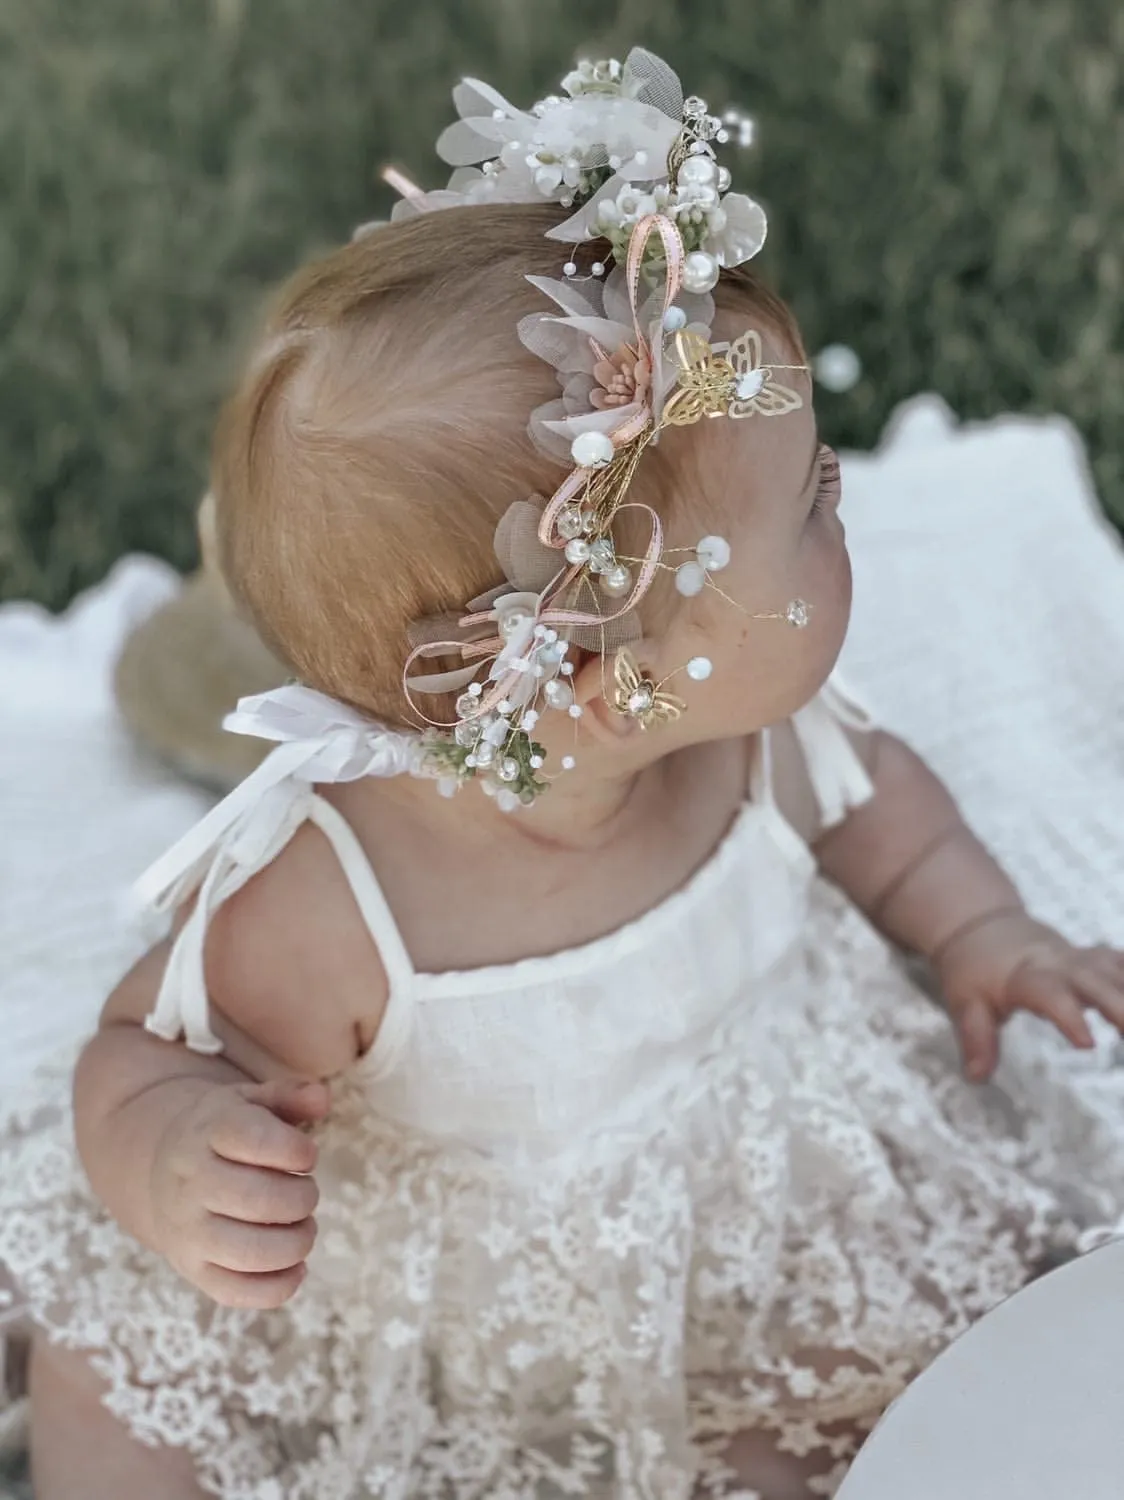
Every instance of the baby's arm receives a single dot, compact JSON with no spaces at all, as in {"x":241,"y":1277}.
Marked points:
{"x":202,"y":1158}
{"x":910,"y":862}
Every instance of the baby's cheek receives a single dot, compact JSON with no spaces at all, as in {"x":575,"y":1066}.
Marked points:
{"x":826,"y":578}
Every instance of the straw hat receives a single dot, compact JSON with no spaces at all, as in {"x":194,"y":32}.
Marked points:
{"x":186,"y":666}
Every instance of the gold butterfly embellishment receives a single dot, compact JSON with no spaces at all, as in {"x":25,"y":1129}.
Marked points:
{"x":735,"y":383}
{"x":639,"y":698}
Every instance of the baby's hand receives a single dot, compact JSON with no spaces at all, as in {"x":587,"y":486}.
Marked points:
{"x":1010,"y":963}
{"x":232,"y":1199}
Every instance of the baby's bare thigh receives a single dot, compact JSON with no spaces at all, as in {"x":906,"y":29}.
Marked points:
{"x":79,"y":1449}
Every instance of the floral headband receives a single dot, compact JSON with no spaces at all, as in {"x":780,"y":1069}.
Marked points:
{"x":633,"y":351}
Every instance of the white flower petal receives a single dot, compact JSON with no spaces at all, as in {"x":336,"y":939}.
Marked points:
{"x":468,"y":141}
{"x":744,"y":232}
{"x":472,"y":96}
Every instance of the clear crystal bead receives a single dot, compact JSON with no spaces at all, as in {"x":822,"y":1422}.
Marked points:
{"x":466,"y":735}
{"x":571,"y":522}
{"x":640,"y":701}
{"x":601,"y":556}
{"x":693,"y":106}
{"x":797,"y":613}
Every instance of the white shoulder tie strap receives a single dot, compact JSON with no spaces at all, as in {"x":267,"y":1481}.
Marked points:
{"x":839,"y":778}
{"x":320,"y":741}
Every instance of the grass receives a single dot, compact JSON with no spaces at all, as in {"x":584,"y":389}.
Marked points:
{"x":942,"y":175}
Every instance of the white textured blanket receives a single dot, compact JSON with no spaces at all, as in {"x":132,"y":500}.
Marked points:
{"x":989,"y":630}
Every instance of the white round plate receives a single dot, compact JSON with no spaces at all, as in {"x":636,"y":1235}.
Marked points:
{"x":1027,"y":1405}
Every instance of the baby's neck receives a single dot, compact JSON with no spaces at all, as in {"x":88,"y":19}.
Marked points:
{"x":471,"y":886}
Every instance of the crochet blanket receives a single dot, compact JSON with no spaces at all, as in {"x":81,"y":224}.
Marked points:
{"x":988,"y":631}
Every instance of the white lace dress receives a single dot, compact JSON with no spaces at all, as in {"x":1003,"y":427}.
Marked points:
{"x":587,"y":1216}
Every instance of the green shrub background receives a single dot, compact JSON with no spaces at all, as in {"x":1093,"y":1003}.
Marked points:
{"x":944,"y":179}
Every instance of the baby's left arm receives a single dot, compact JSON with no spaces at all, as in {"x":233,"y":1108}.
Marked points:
{"x":910,"y":862}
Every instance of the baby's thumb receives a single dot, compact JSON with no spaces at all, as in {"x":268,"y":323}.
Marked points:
{"x":294,"y":1100}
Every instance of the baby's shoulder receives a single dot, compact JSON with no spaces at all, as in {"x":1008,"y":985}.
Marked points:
{"x":291,"y":965}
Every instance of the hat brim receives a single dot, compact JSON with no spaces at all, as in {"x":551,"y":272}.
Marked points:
{"x":182,"y":671}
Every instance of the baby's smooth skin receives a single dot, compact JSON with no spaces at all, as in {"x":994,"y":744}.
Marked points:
{"x":207,"y":1160}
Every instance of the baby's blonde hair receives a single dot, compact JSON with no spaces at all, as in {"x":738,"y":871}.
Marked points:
{"x":380,"y":432}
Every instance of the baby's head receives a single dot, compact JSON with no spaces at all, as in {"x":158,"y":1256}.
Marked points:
{"x":381,"y":433}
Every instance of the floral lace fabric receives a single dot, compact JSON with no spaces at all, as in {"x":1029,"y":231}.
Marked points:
{"x":818,"y":1207}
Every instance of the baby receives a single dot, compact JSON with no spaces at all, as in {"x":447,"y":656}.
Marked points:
{"x":579,"y":1131}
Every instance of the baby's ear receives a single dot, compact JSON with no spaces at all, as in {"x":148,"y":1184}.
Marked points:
{"x":595,"y":689}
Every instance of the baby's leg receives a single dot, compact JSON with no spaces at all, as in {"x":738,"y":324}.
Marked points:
{"x":79,"y":1449}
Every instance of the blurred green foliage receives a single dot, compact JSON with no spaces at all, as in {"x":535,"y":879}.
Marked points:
{"x":943,"y":178}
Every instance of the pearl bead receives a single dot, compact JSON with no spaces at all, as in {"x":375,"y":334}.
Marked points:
{"x":725,"y":178}
{"x":567,"y":669}
{"x":475,"y":690}
{"x":551,"y":655}
{"x":536,"y":762}
{"x":714,"y":553}
{"x":597,"y":268}
{"x":690,"y":579}
{"x":722,"y":136}
{"x":575,"y":710}
{"x":529,"y":720}
{"x":674,"y":319}
{"x":497,"y":732}
{"x":617,"y":582}
{"x":503,"y":707}
{"x":513,"y":621}
{"x":577,"y":551}
{"x":558,"y":694}
{"x":699,"y":668}
{"x":592,"y":450}
{"x":570,"y":268}
{"x":571,"y":522}
{"x":508,"y":769}
{"x":700,"y":272}
{"x":568,"y":762}
{"x":699,"y":171}
{"x":601,"y":556}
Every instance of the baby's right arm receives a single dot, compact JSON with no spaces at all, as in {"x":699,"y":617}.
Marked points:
{"x":203,"y":1158}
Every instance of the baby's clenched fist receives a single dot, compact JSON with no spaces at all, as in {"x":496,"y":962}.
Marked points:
{"x":232,"y":1195}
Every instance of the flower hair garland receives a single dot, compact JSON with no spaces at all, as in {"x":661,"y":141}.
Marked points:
{"x":632,"y":348}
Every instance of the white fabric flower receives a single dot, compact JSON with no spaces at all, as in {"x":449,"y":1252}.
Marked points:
{"x":597,"y":313}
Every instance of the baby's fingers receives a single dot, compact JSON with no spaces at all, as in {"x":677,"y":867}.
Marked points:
{"x":236,"y":1289}
{"x":257,"y":1248}
{"x":1099,"y":980}
{"x":252,"y":1134}
{"x":257,"y":1195}
{"x":979,"y":1040}
{"x":1046,"y":993}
